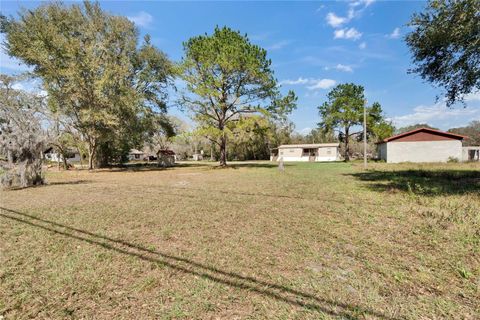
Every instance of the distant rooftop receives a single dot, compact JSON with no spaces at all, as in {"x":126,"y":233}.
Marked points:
{"x":426,"y":130}
{"x":309,"y":146}
{"x":135,"y":151}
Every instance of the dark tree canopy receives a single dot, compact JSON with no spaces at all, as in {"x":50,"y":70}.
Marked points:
{"x":413,"y":127}
{"x":472,"y":131}
{"x":227,"y":77}
{"x":446,"y":46}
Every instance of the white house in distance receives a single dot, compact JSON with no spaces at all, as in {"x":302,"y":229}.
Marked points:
{"x":306,"y":152}
{"x":422,"y":145}
{"x":135,"y":154}
{"x":51,"y":155}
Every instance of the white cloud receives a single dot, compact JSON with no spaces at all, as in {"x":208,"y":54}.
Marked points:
{"x":438,"y":115}
{"x":474,"y":96}
{"x":279,"y":45}
{"x":313,"y":84}
{"x":259,"y":36}
{"x":340,"y":67}
{"x":334,"y":20}
{"x":320,"y":8}
{"x":305,"y":131}
{"x":362,"y":45}
{"x":355,"y":10}
{"x":344,"y":68}
{"x":142,"y":19}
{"x":351,"y":13}
{"x":357,"y":7}
{"x":30,"y":85}
{"x":322,"y":84}
{"x":365,"y":3}
{"x":395,"y":34}
{"x":294,"y":82}
{"x":337,"y":21}
{"x":18,"y":86}
{"x":351,"y":33}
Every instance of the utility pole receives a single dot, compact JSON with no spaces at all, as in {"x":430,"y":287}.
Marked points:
{"x":365,"y":135}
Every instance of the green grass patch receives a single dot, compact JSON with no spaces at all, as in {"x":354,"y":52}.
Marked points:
{"x":315,"y":241}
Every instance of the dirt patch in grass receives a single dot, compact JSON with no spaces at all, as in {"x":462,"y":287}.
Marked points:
{"x":315,"y":241}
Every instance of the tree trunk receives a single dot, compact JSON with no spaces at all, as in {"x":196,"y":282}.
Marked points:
{"x":90,"y":160}
{"x":223,"y":151}
{"x":347,"y":145}
{"x":81,"y":158}
{"x":65,"y":163}
{"x":9,"y":158}
{"x":91,"y":156}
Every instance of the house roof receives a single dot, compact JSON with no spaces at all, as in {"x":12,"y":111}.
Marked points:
{"x":135,"y":151}
{"x":425,"y":130}
{"x":309,"y":146}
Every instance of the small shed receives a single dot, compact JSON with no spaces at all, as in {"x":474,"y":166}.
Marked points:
{"x":135,"y":154}
{"x":306,"y":152}
{"x":166,"y":158}
{"x":421,"y":145}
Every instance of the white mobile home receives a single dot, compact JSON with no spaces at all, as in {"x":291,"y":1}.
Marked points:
{"x":306,"y":152}
{"x":421,"y":145}
{"x":72,"y":155}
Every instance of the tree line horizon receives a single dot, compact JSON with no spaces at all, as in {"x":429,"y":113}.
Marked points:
{"x":108,"y":92}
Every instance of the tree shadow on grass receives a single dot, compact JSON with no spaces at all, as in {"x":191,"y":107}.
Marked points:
{"x":46,"y":184}
{"x":423,"y":182}
{"x":187,"y":266}
{"x":147,"y":166}
{"x":237,"y":165}
{"x":152,"y":166}
{"x":62,"y":183}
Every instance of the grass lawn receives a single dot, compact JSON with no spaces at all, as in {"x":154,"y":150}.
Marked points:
{"x":317,"y":241}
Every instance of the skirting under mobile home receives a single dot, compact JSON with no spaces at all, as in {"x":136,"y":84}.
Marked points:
{"x":421,"y":145}
{"x":306,"y":152}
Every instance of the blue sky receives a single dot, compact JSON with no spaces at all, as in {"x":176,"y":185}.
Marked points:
{"x":313,"y":46}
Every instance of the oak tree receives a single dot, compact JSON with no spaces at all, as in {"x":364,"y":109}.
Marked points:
{"x":445,"y":46}
{"x":94,"y":71}
{"x":21,"y":136}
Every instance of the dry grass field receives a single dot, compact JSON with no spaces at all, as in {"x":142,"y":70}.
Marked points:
{"x":317,"y":241}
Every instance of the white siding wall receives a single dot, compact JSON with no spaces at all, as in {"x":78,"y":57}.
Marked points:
{"x":327,"y":154}
{"x":423,"y":151}
{"x":55,"y":157}
{"x":291,"y":154}
{"x":295,"y":154}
